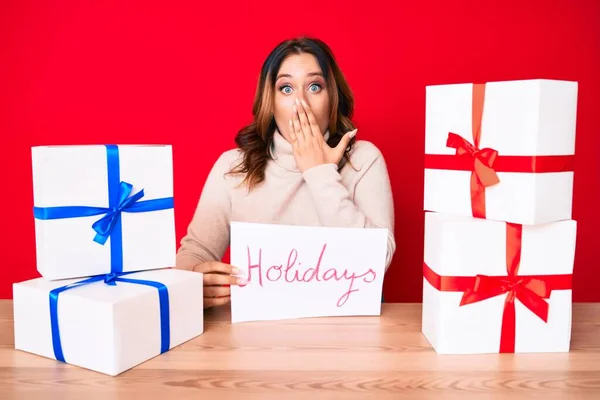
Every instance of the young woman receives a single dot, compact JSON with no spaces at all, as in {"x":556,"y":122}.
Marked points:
{"x":297,"y":163}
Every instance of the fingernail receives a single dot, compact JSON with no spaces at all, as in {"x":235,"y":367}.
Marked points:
{"x":235,"y":270}
{"x":241,"y":281}
{"x":297,"y":101}
{"x":304,"y":103}
{"x":353,"y":133}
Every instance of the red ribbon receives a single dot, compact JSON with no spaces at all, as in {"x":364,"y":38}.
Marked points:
{"x":485,"y":163}
{"x":530,"y":290}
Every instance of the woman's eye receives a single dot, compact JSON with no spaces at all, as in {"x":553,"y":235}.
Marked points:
{"x":286,"y":89}
{"x":314,"y":87}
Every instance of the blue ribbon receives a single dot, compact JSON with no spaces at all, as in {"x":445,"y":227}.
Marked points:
{"x":111,"y":279}
{"x":119,"y":201}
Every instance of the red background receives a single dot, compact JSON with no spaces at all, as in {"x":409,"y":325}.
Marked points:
{"x":77,"y":73}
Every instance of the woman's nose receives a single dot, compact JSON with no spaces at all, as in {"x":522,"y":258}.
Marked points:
{"x":301,"y":98}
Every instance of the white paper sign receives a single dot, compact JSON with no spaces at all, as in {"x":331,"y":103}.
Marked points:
{"x":300,"y":271}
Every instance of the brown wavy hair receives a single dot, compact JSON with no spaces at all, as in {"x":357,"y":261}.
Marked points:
{"x":256,"y":139}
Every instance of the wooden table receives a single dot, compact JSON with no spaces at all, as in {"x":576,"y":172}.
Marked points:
{"x":328,"y":358}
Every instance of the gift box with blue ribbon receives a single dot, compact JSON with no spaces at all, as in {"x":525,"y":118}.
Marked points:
{"x":108,"y":323}
{"x":102,"y":209}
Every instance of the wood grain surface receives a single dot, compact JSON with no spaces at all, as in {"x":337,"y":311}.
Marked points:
{"x":323,"y":358}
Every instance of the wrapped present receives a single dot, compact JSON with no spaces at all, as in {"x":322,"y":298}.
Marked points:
{"x":496,"y":287}
{"x":501,"y":150}
{"x":103,"y":208}
{"x":108,"y":323}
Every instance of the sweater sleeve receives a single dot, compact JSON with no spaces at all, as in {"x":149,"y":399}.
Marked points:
{"x":372,"y":205}
{"x":207,"y":236}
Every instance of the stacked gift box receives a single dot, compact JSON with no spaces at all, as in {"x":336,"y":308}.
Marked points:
{"x":499,"y":236}
{"x":108,"y":298}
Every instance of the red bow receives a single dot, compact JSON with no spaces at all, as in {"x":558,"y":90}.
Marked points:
{"x":483,"y":160}
{"x":528,"y":290}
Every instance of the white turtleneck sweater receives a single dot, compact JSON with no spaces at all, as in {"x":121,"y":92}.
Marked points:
{"x":321,"y":196}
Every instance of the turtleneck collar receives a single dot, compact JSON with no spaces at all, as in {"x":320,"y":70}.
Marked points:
{"x":283,"y":152}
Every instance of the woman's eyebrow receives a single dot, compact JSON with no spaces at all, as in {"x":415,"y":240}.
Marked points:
{"x":289,"y":76}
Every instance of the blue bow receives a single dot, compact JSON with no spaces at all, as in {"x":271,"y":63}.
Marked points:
{"x":105,"y":225}
{"x":119,"y":201}
{"x":111,"y":279}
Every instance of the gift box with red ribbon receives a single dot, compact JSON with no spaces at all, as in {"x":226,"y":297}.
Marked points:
{"x":497,"y":287}
{"x":501,"y":150}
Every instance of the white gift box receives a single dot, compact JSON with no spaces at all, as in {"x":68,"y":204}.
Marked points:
{"x":105,"y":328}
{"x":80,"y":176}
{"x":530,"y":123}
{"x":466,"y":300}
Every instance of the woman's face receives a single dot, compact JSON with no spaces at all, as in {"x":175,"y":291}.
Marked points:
{"x":300,"y":77}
